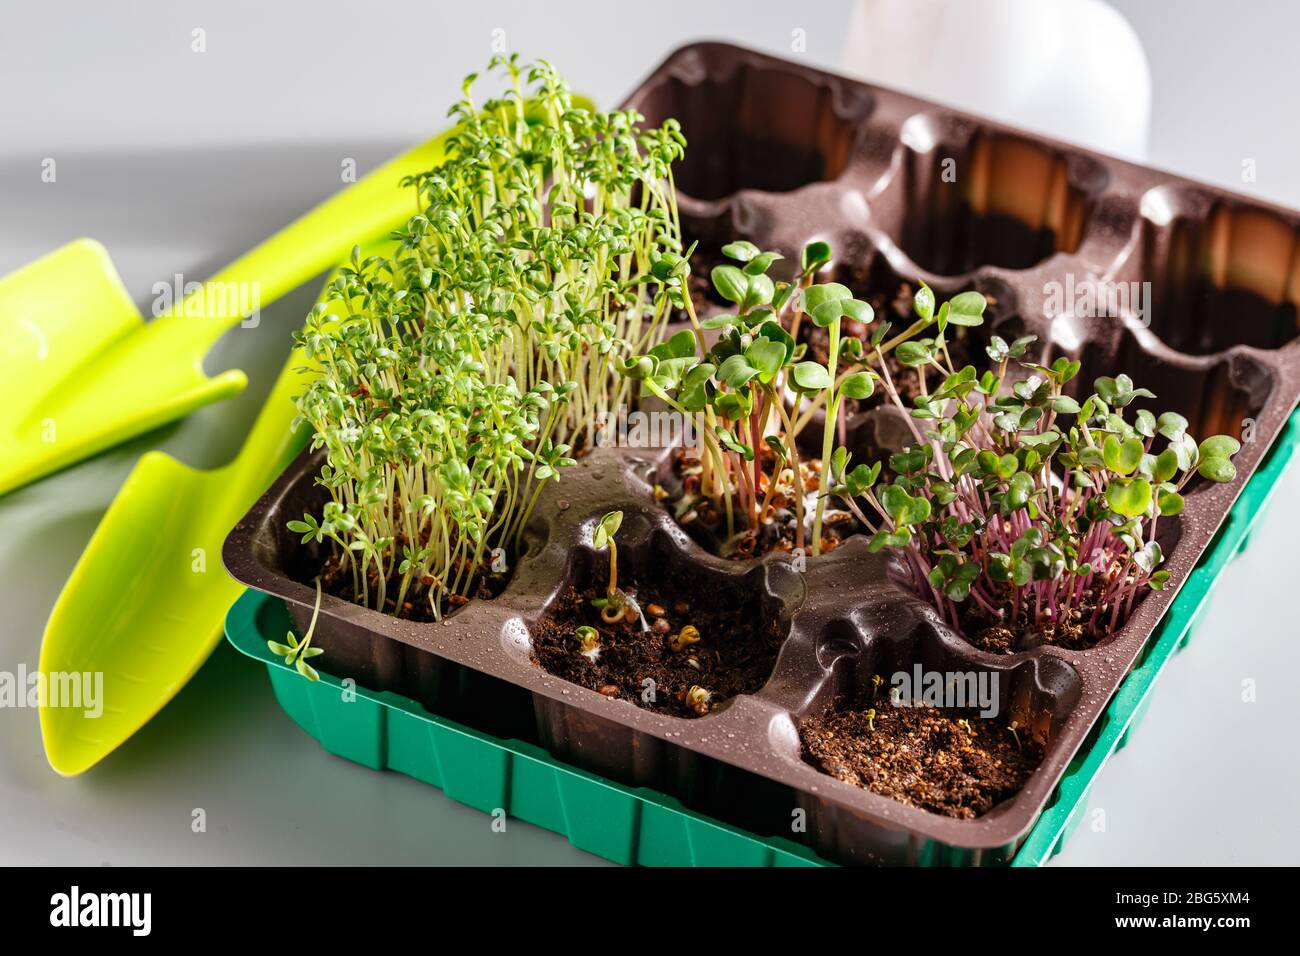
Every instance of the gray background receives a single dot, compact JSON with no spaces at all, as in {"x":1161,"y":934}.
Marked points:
{"x":179,"y":161}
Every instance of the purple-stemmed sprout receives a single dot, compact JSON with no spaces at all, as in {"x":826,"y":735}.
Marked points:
{"x":1018,"y":498}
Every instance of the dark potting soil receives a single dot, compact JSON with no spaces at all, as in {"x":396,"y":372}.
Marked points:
{"x":336,"y":579}
{"x":1070,"y":632}
{"x":735,"y":653}
{"x":953,"y":763}
{"x":706,"y":522}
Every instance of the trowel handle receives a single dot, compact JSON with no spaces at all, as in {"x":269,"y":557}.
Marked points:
{"x":361,"y":213}
{"x":308,"y":246}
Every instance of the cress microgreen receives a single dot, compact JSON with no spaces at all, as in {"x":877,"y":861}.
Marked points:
{"x":296,"y":653}
{"x":458,"y":373}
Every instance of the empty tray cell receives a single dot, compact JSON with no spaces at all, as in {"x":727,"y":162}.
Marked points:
{"x":756,"y":127}
{"x":992,"y":199}
{"x":891,"y":649}
{"x":1221,"y":273}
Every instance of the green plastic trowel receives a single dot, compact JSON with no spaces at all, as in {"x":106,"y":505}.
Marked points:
{"x":144,"y":605}
{"x":81,"y":371}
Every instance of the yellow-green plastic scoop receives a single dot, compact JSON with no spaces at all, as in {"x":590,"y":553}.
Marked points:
{"x":81,"y":371}
{"x":146,"y":601}
{"x":144,"y":604}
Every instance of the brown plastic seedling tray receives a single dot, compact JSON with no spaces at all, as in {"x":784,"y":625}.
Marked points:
{"x":781,"y":154}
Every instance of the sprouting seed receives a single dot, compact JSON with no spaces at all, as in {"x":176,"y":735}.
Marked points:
{"x":615,"y":602}
{"x":697,"y":699}
{"x":684,"y":638}
{"x":588,"y":642}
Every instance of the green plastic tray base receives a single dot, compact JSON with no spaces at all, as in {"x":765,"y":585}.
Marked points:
{"x":387,"y":732}
{"x":630,"y":825}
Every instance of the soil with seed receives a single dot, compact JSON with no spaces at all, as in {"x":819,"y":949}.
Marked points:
{"x":953,"y":763}
{"x":735,"y":654}
{"x":1071,"y":632}
{"x":336,"y":579}
{"x":706,"y":522}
